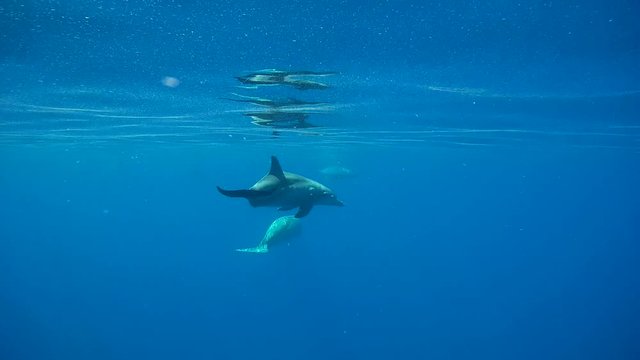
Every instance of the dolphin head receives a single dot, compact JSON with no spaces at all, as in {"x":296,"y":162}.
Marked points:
{"x":328,"y":197}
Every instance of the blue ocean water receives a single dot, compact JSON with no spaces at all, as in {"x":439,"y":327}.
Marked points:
{"x":491,"y":202}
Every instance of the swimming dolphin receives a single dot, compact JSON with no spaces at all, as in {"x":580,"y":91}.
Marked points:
{"x":283,"y":228}
{"x":286,"y":191}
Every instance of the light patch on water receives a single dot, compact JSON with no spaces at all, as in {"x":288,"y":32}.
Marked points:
{"x":170,"y":81}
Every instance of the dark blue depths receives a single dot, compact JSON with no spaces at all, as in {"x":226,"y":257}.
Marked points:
{"x":518,"y":246}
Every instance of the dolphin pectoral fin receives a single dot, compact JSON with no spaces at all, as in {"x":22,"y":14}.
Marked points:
{"x":286,"y":208}
{"x":261,"y":249}
{"x":247,"y":194}
{"x":303,"y":211}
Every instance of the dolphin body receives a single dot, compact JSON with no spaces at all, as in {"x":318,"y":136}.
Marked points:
{"x":286,"y":191}
{"x":283,"y":228}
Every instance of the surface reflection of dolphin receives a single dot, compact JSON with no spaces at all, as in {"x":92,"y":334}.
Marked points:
{"x":306,"y":84}
{"x":285,"y":125}
{"x":276,"y":116}
{"x":280,"y":120}
{"x":276,"y":72}
{"x":281,"y":77}
{"x":260,"y":79}
{"x":277,"y":103}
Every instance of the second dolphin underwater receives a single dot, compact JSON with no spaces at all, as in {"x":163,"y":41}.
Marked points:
{"x":286,"y":191}
{"x":283,"y":228}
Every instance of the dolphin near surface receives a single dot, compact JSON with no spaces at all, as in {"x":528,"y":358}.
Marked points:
{"x":337,"y":172}
{"x":286,"y":191}
{"x":283,"y":228}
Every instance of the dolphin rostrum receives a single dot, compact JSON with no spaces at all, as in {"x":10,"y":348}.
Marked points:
{"x":286,"y":191}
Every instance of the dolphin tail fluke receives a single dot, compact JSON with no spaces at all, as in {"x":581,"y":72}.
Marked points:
{"x":260,"y":249}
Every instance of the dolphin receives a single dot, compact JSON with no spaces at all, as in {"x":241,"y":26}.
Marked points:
{"x":283,"y":228}
{"x":286,"y":191}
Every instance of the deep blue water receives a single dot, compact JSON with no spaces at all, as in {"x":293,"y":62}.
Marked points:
{"x":492,"y":211}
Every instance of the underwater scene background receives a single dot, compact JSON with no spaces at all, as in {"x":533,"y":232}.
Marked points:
{"x":487,"y":155}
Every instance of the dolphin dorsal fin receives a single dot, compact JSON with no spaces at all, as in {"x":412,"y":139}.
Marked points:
{"x":276,"y":169}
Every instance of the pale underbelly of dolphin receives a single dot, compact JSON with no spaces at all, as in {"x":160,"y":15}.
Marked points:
{"x":291,"y":198}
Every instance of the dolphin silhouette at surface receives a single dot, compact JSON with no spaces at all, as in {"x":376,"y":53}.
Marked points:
{"x":282,"y":229}
{"x":297,"y":79}
{"x":286,"y":191}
